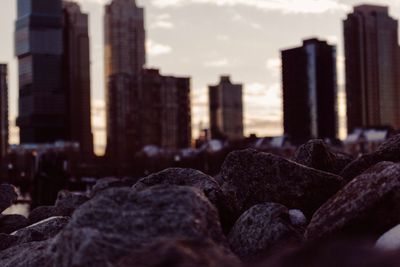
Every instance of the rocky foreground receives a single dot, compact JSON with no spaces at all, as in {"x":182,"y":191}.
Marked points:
{"x":321,"y":208}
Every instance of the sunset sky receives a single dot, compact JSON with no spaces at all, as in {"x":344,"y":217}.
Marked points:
{"x":205,"y":39}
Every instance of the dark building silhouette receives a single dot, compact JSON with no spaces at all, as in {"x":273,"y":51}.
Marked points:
{"x":166,"y":119}
{"x":310,"y":91}
{"x":76,"y":77}
{"x":372,"y":68}
{"x":39,"y":48}
{"x":226,"y":110}
{"x":4,"y":133}
{"x":124,"y":58}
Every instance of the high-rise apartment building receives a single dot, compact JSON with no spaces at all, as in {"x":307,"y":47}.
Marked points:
{"x":372,"y":68}
{"x":124,"y":59}
{"x":76,"y":76}
{"x":226,"y":110}
{"x":310,"y":91}
{"x":39,"y":47}
{"x":3,"y":111}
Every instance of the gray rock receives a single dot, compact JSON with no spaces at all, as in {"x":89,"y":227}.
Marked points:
{"x":7,"y":241}
{"x":33,"y":254}
{"x":69,"y":201}
{"x":44,"y":212}
{"x":194,"y":178}
{"x":42,"y":230}
{"x":107,"y":227}
{"x":316,"y":154}
{"x":105,"y":183}
{"x":252,"y":178}
{"x":368,"y":205}
{"x":388,"y":151}
{"x":181,"y":253}
{"x":261,"y":230}
{"x":7,"y":196}
{"x":11,"y":223}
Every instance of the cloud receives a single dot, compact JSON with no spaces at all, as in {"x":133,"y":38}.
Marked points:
{"x":274,"y":66}
{"x":217,"y":63}
{"x":162,"y":21}
{"x":285,"y":6}
{"x":156,"y":49}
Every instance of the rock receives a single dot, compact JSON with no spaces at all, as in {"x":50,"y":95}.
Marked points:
{"x":7,"y":196}
{"x":11,"y":223}
{"x":106,"y":228}
{"x":261,"y":230}
{"x":388,"y":151}
{"x":342,"y":160}
{"x":105,"y":183}
{"x":316,"y":154}
{"x":42,"y":230}
{"x":368,"y":205}
{"x":68,"y":201}
{"x":41,"y":213}
{"x":33,"y":254}
{"x":7,"y":241}
{"x":297,"y":218}
{"x":181,"y":253}
{"x":197,"y":179}
{"x":252,"y":178}
{"x":390,"y":241}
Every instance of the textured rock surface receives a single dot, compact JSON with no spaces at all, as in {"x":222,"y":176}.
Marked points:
{"x":70,"y":201}
{"x":42,"y":230}
{"x":11,"y":223}
{"x":181,"y":253}
{"x":110,"y":182}
{"x":368,"y":205}
{"x":194,"y":178}
{"x":316,"y":154}
{"x":7,"y":196}
{"x":252,"y":178}
{"x":7,"y":241}
{"x":262,"y":229}
{"x":388,"y":151}
{"x":33,"y":254}
{"x":109,"y":226}
{"x":42,"y":213}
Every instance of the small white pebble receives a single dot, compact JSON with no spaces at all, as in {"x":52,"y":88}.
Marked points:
{"x":297,"y":218}
{"x":389,"y":240}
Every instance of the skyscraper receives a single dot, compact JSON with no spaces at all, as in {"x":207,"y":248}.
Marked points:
{"x":76,"y":76}
{"x":38,"y":41}
{"x":3,"y":111}
{"x":226,"y":110}
{"x":372,"y":68}
{"x":124,"y":59}
{"x":166,"y":120}
{"x":310,"y":91}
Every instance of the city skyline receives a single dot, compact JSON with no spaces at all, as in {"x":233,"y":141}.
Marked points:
{"x":259,"y":70}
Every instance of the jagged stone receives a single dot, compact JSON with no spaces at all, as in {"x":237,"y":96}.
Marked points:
{"x":106,"y":228}
{"x":368,"y":205}
{"x":69,"y":201}
{"x":7,"y":196}
{"x":316,"y":154}
{"x":261,"y":230}
{"x":44,"y":212}
{"x":7,"y":241}
{"x":252,"y":178}
{"x":33,"y":254}
{"x":11,"y":223}
{"x":42,"y":230}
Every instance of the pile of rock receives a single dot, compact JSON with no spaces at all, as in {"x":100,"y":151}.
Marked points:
{"x":319,"y":209}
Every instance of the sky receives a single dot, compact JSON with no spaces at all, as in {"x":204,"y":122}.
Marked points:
{"x":205,"y":39}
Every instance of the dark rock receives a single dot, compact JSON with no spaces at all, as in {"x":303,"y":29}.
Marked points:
{"x":252,"y":178}
{"x":44,"y":212}
{"x":106,"y":228}
{"x":68,"y":201}
{"x":106,"y":183}
{"x":316,"y":154}
{"x":262,"y":229}
{"x":197,"y":179}
{"x":181,"y":253}
{"x":388,"y":151}
{"x":7,"y":241}
{"x":342,"y":160}
{"x":42,"y":230}
{"x":7,"y":196}
{"x":11,"y":223}
{"x":368,"y":205}
{"x":33,"y":254}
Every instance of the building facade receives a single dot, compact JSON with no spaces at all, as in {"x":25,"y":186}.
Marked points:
{"x":372,"y":68}
{"x":39,"y":48}
{"x":310,"y":91}
{"x":125,"y":58}
{"x":76,"y":77}
{"x":226,"y":110}
{"x":4,"y":129}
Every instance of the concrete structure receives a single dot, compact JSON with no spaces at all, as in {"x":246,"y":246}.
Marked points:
{"x":310,"y":91}
{"x":166,"y":112}
{"x":38,"y":46}
{"x":372,"y":68}
{"x":124,"y":60}
{"x":4,"y":133}
{"x":76,"y":77}
{"x":226,"y":110}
